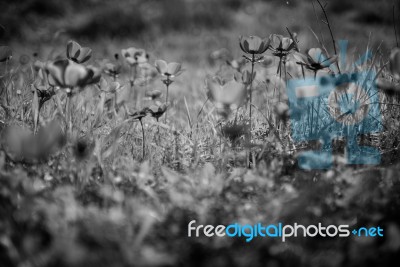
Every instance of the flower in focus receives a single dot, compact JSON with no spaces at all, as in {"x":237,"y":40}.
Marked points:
{"x":281,"y":46}
{"x":153,"y":94}
{"x":134,"y":56}
{"x":254,"y":44}
{"x":169,"y":70}
{"x":77,"y":53}
{"x":5,"y":53}
{"x":67,"y":74}
{"x":314,"y":60}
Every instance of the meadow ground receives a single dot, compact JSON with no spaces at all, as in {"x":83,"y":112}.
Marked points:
{"x":78,"y":189}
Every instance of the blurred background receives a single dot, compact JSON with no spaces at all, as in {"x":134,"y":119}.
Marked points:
{"x":189,"y":30}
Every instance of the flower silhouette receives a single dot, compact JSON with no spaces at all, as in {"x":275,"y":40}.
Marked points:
{"x":77,"y":53}
{"x":134,"y":56}
{"x":281,"y":46}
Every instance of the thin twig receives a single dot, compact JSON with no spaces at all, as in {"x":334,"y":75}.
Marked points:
{"x":330,"y":31}
{"x":394,"y":26}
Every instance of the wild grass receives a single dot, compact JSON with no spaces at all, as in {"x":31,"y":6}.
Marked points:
{"x":114,"y":181}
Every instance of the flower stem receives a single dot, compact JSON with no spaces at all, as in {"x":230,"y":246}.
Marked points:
{"x":166,"y":101}
{"x":250,"y":89}
{"x":68,"y":112}
{"x":143,"y":140}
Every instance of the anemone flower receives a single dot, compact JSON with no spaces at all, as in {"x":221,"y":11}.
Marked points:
{"x":157,"y":110}
{"x":112,"y":70}
{"x":67,"y":74}
{"x":168,"y":70}
{"x":5,"y":53}
{"x":314,"y":60}
{"x":254,"y":45}
{"x":134,"y":56}
{"x":77,"y":53}
{"x":281,"y":47}
{"x":226,"y":96}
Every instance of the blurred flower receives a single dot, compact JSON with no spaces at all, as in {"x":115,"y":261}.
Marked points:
{"x":134,"y":56}
{"x":5,"y":53}
{"x":226,"y":95}
{"x":112,"y":70}
{"x":67,"y":74}
{"x":24,"y":59}
{"x":77,"y":53}
{"x":237,"y":64}
{"x":221,"y":54}
{"x":153,"y":94}
{"x":282,"y":110}
{"x":254,"y":44}
{"x":157,"y":110}
{"x":94,"y":76}
{"x":314,"y":60}
{"x":244,"y":77}
{"x":169,"y":70}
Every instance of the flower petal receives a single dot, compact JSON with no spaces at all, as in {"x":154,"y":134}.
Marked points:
{"x":56,"y":70}
{"x":162,"y":66}
{"x":174,"y":68}
{"x":85,"y":55}
{"x":76,"y":75}
{"x":73,"y":50}
{"x":315,"y":54}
